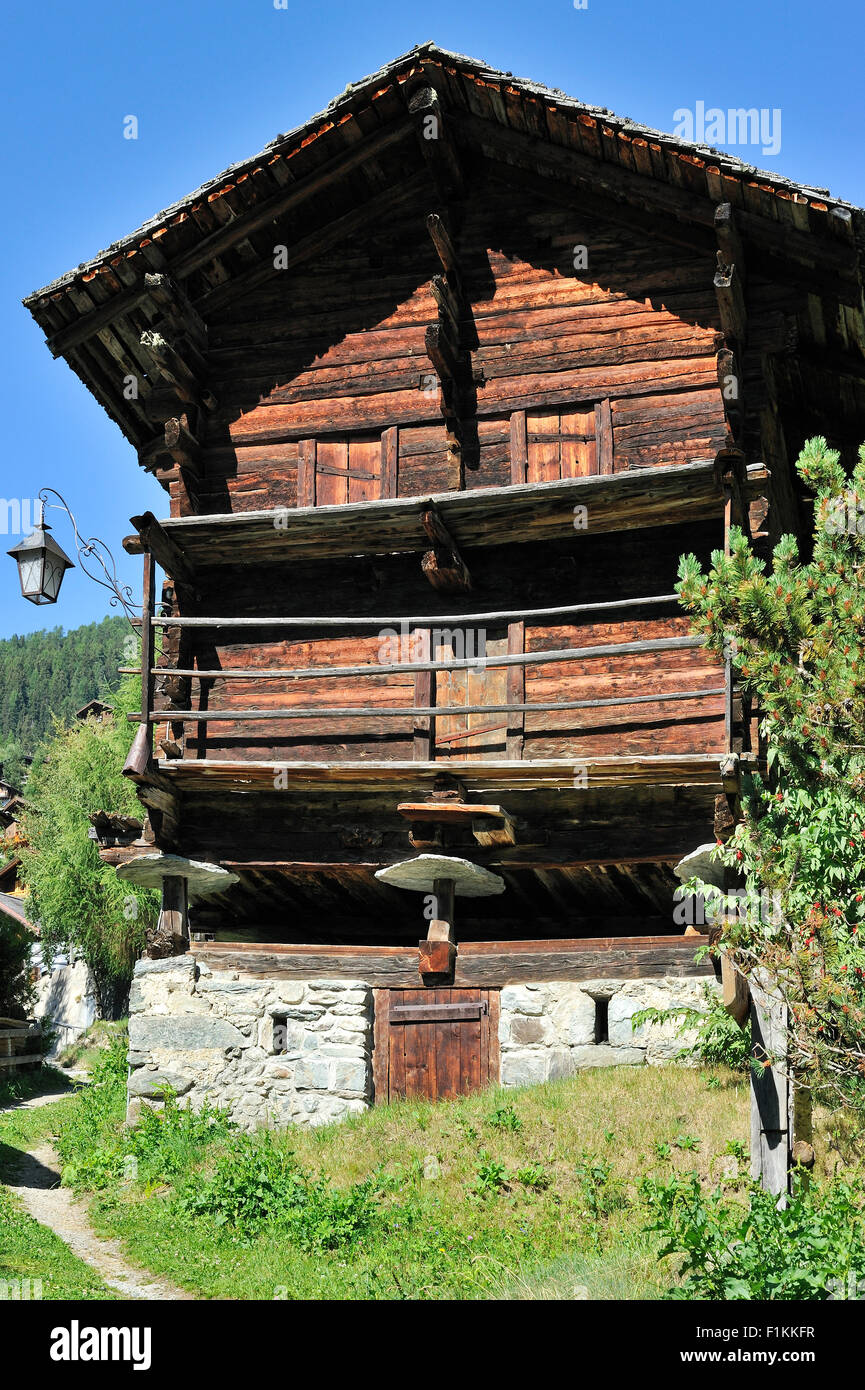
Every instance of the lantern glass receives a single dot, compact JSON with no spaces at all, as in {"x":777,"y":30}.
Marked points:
{"x":41,"y":566}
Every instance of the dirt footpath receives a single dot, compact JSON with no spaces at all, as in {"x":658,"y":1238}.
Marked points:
{"x":36,"y":1183}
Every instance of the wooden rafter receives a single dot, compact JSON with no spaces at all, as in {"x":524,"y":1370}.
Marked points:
{"x":436,"y":143}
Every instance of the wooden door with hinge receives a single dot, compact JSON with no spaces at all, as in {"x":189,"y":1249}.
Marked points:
{"x":435,"y":1043}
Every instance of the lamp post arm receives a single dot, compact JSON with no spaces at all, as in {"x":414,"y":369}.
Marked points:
{"x":95,"y":549}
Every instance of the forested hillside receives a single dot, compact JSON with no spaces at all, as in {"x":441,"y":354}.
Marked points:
{"x":52,"y":672}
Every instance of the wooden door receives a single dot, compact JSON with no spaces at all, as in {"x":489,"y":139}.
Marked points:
{"x":435,"y":1043}
{"x":478,"y":735}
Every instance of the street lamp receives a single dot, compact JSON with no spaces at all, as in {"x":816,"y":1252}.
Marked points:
{"x":42,"y":563}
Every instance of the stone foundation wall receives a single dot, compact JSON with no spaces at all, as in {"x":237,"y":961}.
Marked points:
{"x":271,"y":1052}
{"x":279,"y":1052}
{"x":551,"y":1030}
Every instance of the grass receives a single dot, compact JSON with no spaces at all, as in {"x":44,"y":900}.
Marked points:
{"x":29,"y":1251}
{"x":536,"y":1195}
{"x":85,"y":1050}
{"x":32,"y":1252}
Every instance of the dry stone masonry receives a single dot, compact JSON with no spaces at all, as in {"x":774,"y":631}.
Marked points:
{"x":552,"y":1030}
{"x":279,"y":1052}
{"x":271,"y":1052}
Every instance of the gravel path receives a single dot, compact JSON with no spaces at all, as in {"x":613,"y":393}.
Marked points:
{"x":36,"y":1182}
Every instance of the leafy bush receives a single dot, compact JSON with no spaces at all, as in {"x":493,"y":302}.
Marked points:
{"x":16,"y":988}
{"x":742,"y":1246}
{"x":257,"y":1182}
{"x":534,"y":1175}
{"x":89,"y":1138}
{"x":76,"y":899}
{"x":719,"y":1041}
{"x":170,"y":1140}
{"x":491,"y":1176}
{"x":506,"y":1117}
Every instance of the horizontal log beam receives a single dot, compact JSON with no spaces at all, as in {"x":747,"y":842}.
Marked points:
{"x":494,"y":963}
{"x":479,"y":662}
{"x":418,"y":711}
{"x":427,"y":620}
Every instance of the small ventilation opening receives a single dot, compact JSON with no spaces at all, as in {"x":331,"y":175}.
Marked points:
{"x":602,"y":1022}
{"x":280,"y":1033}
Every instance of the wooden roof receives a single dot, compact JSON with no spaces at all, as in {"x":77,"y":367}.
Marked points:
{"x":348,"y":166}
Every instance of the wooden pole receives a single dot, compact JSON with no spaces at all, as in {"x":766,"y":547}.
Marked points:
{"x":472,"y":663}
{"x":771,"y":1108}
{"x":174,"y":914}
{"x":429,"y":711}
{"x":147,"y":646}
{"x":427,"y":620}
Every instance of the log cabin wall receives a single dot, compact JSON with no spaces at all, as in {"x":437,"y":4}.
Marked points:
{"x":322,"y":370}
{"x":437,"y":331}
{"x":586,"y":570}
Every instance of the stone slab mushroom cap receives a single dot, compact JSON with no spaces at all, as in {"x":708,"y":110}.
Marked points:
{"x":420,"y":875}
{"x":202,"y":879}
{"x":700,"y":863}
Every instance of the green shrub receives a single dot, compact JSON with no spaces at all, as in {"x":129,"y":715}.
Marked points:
{"x":171,"y":1139}
{"x":506,"y":1117}
{"x":257,"y":1182}
{"x":719,"y":1041}
{"x":77,"y":900}
{"x":16,"y":989}
{"x":743,"y":1246}
{"x":491,"y":1176}
{"x":89,"y":1138}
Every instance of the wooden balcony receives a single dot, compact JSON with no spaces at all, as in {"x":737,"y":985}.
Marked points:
{"x":682,"y":493}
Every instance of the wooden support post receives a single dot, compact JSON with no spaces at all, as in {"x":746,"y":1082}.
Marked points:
{"x":390,"y":461}
{"x":604,"y":437}
{"x":424,"y":695}
{"x":173,"y":925}
{"x":516,"y":691}
{"x":147,"y":647}
{"x":771,"y":1138}
{"x":519,"y":447}
{"x":438,"y":952}
{"x":306,"y":458}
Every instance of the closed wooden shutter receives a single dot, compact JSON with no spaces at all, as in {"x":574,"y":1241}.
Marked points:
{"x":332,"y":472}
{"x":548,"y":445}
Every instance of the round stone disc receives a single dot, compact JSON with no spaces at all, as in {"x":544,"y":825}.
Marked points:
{"x":700,"y":863}
{"x":148,"y":871}
{"x":419,"y":875}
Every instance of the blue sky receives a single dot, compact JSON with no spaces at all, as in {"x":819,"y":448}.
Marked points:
{"x":213,"y":83}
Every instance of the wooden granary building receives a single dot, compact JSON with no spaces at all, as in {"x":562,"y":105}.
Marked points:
{"x":439,"y":387}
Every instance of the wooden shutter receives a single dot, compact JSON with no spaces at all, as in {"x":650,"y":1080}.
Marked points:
{"x":336,"y":471}
{"x":547,"y":445}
